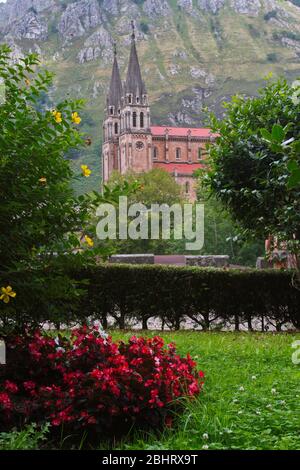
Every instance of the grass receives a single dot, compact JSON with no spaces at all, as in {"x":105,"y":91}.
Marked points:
{"x":250,"y":399}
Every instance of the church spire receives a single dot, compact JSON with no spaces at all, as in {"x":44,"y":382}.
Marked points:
{"x":134,"y":84}
{"x":115,"y":89}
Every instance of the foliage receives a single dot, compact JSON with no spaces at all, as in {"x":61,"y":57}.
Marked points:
{"x":42,"y":223}
{"x":222,"y":235}
{"x":207,"y":298}
{"x":155,"y":187}
{"x":86,"y":382}
{"x":29,"y":438}
{"x":247,"y":174}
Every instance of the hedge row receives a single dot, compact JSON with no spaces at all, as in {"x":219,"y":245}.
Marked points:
{"x":205,"y":296}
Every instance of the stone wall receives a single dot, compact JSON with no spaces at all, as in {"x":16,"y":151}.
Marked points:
{"x":208,"y":261}
{"x":132,"y":259}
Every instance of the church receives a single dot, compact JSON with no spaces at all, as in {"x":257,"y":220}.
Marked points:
{"x":132,"y":143}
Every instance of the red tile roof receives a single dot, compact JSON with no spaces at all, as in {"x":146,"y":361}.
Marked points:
{"x":182,"y":168}
{"x":203,"y":132}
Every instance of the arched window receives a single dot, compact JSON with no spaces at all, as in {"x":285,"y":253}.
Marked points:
{"x":187,"y":187}
{"x":199,"y":153}
{"x":141,"y":119}
{"x":129,"y":99}
{"x":111,"y":110}
{"x":155,"y":153}
{"x":116,"y":128}
{"x":178,"y":153}
{"x":137,"y":99}
{"x":134,"y":119}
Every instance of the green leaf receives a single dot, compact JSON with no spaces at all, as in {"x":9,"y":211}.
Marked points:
{"x":266,"y":135}
{"x":278,"y":133}
{"x":294,"y":179}
{"x":292,"y":166}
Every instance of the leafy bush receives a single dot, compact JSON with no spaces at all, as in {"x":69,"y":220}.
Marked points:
{"x":86,"y":382}
{"x":249,"y":176}
{"x":39,"y":213}
{"x":205,"y":296}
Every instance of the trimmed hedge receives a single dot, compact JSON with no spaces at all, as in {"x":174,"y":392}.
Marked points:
{"x":208,"y":297}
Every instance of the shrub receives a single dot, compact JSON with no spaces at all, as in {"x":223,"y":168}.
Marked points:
{"x":86,"y":382}
{"x":205,"y":296}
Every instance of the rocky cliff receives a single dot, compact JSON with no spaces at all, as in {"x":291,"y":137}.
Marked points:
{"x":194,"y":53}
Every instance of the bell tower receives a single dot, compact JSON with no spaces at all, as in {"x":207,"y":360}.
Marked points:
{"x":135,"y":135}
{"x":112,"y":123}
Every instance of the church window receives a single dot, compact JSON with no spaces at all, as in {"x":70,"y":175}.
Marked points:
{"x":111,"y":109}
{"x":178,"y":153}
{"x":134,"y":119}
{"x":129,"y":99}
{"x":137,"y":99}
{"x":116,"y":128}
{"x":142,"y":120}
{"x":155,"y":153}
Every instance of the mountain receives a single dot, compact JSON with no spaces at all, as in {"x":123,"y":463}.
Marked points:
{"x":193,"y":53}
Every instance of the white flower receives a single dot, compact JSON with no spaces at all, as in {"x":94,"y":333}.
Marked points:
{"x":269,"y":406}
{"x":205,"y":447}
{"x":240,"y":412}
{"x":282,"y":402}
{"x":229,"y":431}
{"x":205,"y":436}
{"x":253,"y":377}
{"x":273,"y":391}
{"x":241,"y":389}
{"x":296,"y":84}
{"x":235,"y":400}
{"x":258,"y":412}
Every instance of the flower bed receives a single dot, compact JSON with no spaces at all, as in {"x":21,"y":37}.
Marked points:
{"x":86,"y":382}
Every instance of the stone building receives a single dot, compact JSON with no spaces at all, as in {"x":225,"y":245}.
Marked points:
{"x":130,"y":142}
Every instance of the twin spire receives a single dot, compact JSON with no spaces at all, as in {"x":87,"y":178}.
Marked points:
{"x":133,"y":85}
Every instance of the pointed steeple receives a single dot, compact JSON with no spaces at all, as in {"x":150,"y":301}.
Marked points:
{"x":115,"y":89}
{"x":134,"y":83}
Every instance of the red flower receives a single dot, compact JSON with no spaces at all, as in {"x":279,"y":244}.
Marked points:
{"x":93,"y":383}
{"x":29,"y":385}
{"x":10,"y":387}
{"x":5,"y":401}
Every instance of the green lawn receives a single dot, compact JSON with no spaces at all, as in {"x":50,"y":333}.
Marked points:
{"x":251,"y":397}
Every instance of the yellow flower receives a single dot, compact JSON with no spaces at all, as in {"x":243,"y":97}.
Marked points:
{"x":57,"y":116}
{"x":43,"y":180}
{"x":85,"y":171}
{"x":89,"y":240}
{"x":7,"y":293}
{"x":27,"y":81}
{"x":76,"y":118}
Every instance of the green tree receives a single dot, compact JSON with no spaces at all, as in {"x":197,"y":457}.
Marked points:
{"x":40,"y":219}
{"x":153,"y":187}
{"x":250,"y":176}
